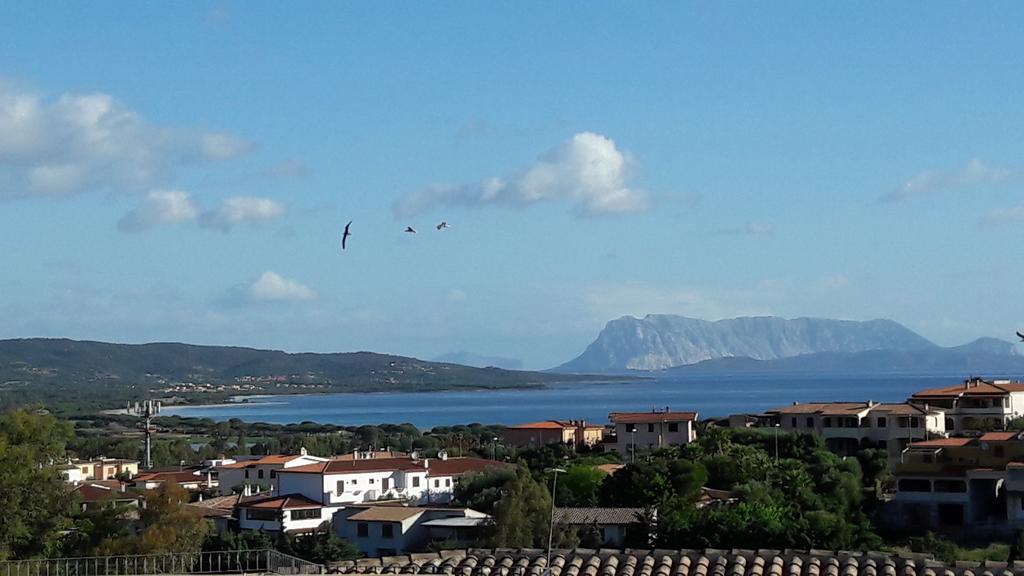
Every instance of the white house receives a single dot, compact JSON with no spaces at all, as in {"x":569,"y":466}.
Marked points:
{"x":261,"y":471}
{"x":415,"y":480}
{"x":976,"y":404}
{"x":655,"y":429}
{"x":390,"y":530}
{"x":292,"y":513}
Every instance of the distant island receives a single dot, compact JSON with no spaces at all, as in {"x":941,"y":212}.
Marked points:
{"x":77,"y":375}
{"x":678,"y":346}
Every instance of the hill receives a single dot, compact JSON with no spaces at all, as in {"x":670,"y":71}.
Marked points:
{"x":657,"y":342}
{"x":84,"y":374}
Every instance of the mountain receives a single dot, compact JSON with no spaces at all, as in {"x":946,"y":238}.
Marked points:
{"x":81,"y":374}
{"x":471,"y":359}
{"x":657,"y":342}
{"x":963,"y":360}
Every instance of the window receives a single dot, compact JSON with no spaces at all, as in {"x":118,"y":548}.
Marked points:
{"x":362,"y":530}
{"x":950,"y":424}
{"x":437,"y":483}
{"x":341,"y":487}
{"x":387,"y":530}
{"x":259,"y":474}
{"x":914,"y":485}
{"x":273,"y":473}
{"x":810,"y":422}
{"x":673,"y":426}
{"x":997,"y":451}
{"x":306,"y":514}
{"x":792,"y":422}
{"x":263,"y":515}
{"x":958,"y":486}
{"x":828,"y":422}
{"x":247,"y":473}
{"x":372,"y":480}
{"x":915,"y":422}
{"x":415,"y":481}
{"x":881,"y":422}
{"x":447,"y":482}
{"x":354,"y":482}
{"x":650,"y":427}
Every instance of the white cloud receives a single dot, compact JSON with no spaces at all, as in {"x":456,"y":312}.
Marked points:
{"x":159,"y":207}
{"x":1008,"y":215}
{"x":272,"y":287}
{"x":242,"y":210}
{"x":86,"y":142}
{"x":456,"y":295}
{"x":588,"y":171}
{"x":975,"y":173}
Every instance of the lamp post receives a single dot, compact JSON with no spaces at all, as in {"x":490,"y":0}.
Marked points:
{"x":551,"y":529}
{"x":632,"y":443}
{"x":494,"y":448}
{"x":777,"y":425}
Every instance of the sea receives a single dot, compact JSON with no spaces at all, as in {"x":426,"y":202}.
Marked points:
{"x":709,"y":396}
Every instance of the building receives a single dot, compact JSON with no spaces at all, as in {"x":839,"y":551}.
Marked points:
{"x":192,"y":478}
{"x":655,"y":429}
{"x":390,"y":530}
{"x":610,"y":526}
{"x":104,"y":469}
{"x":414,"y":480}
{"x":293,"y":513}
{"x":976,"y":404}
{"x":961,"y":484}
{"x":848,"y":427}
{"x":91,"y":495}
{"x":569,"y":432}
{"x":261,"y":472}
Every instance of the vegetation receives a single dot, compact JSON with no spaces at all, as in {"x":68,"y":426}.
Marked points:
{"x":76,"y":377}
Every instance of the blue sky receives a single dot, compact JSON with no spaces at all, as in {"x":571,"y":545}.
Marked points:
{"x":182,"y":171}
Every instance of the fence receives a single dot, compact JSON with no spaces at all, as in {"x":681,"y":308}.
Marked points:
{"x":234,"y":562}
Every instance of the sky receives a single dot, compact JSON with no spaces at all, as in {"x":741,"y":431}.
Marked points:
{"x":182,"y":171}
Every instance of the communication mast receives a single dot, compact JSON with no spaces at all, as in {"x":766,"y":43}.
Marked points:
{"x":146,"y":410}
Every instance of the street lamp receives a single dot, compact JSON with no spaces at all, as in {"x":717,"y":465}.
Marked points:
{"x":551,"y":530}
{"x":632,"y":444}
{"x":494,"y":448}
{"x":777,"y":425}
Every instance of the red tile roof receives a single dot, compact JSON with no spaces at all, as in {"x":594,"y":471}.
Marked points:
{"x":998,"y":436}
{"x":972,"y":388}
{"x":545,"y":425}
{"x":101,"y":491}
{"x":942,"y":443}
{"x":651,"y":417}
{"x":287,"y":502}
{"x":437,"y":466}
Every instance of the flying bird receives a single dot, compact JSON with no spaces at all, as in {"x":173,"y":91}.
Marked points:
{"x":410,"y":230}
{"x":1021,"y":336}
{"x":443,"y":225}
{"x":345,"y":235}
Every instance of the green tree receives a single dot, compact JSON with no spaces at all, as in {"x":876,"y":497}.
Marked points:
{"x":523,"y":513}
{"x":37,"y":507}
{"x":166,"y":525}
{"x":580,"y":486}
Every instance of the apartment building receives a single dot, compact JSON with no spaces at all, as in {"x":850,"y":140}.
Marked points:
{"x":638,"y":431}
{"x":414,"y":480}
{"x":850,"y":426}
{"x":957,"y":484}
{"x":536,"y":434}
{"x":260,"y":472}
{"x":975,"y":404}
{"x":100,"y":469}
{"x":390,"y":530}
{"x":292,"y":513}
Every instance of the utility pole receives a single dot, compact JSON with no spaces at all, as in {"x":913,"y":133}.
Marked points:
{"x":551,"y":530}
{"x":146,"y":410}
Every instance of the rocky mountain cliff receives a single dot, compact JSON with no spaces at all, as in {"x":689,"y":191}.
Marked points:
{"x":657,"y":342}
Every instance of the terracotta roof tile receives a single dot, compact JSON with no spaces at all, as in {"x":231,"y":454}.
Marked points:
{"x":999,"y":436}
{"x":545,"y":425}
{"x":651,"y":417}
{"x":287,"y":502}
{"x":386,"y":514}
{"x":582,"y":562}
{"x":942,"y":443}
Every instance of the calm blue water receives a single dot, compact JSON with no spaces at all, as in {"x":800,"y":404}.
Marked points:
{"x":719,"y":396}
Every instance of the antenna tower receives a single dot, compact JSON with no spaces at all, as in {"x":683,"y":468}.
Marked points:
{"x":146,"y":410}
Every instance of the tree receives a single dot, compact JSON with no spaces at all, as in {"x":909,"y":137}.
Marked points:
{"x":37,"y":507}
{"x":522,"y":515}
{"x":167,"y":525}
{"x":321,"y":547}
{"x":579,"y":486}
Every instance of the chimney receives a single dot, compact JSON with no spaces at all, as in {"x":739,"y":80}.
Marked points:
{"x":443,"y":454}
{"x":302,"y":451}
{"x":426,"y":463}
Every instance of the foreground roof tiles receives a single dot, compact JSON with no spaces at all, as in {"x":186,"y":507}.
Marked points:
{"x":581,"y":562}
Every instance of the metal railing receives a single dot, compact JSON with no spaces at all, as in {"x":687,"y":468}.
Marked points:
{"x":233,"y":562}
